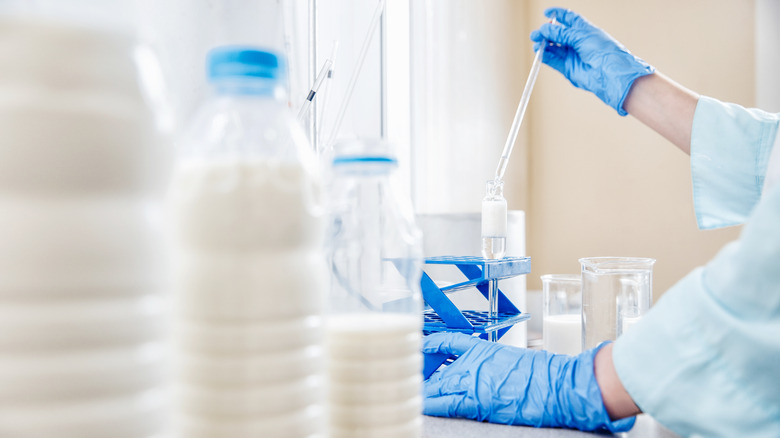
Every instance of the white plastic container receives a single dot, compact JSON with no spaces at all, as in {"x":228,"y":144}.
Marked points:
{"x":83,"y":255}
{"x":250,"y":266}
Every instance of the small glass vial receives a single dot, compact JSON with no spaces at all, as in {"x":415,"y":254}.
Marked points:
{"x":494,"y":221}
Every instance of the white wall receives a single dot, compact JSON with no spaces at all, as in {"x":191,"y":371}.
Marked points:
{"x":346,"y":22}
{"x":183,"y":31}
{"x":468,"y":69}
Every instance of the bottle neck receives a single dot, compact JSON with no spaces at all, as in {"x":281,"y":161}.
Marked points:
{"x":363,"y":174}
{"x":253,"y":88}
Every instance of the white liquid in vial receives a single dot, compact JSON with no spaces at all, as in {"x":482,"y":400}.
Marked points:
{"x":494,"y":218}
{"x":494,"y":228}
{"x":562,"y":334}
{"x":375,"y":381}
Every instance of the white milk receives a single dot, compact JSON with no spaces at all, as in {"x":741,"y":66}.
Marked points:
{"x":562,"y":334}
{"x":249,"y":291}
{"x":374,"y":370}
{"x":83,"y":255}
{"x":494,"y":228}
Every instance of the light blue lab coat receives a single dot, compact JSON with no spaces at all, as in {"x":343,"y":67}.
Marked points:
{"x":705,"y":361}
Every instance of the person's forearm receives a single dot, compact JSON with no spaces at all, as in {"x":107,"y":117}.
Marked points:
{"x":617,"y":401}
{"x":665,"y":106}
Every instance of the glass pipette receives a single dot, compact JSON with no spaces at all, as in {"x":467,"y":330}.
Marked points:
{"x":323,"y":95}
{"x":314,"y":88}
{"x":380,"y":8}
{"x":529,"y":86}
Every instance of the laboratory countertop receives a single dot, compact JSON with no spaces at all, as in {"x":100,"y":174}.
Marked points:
{"x":434,"y":427}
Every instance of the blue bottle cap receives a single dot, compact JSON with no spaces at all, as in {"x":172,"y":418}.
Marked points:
{"x":244,"y":62}
{"x":372,"y":151}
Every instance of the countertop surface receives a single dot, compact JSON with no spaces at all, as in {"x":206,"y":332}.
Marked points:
{"x":434,"y":427}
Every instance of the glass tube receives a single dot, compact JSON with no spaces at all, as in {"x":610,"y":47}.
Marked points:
{"x":494,"y":221}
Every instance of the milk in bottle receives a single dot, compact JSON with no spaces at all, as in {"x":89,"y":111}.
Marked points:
{"x":250,"y":268}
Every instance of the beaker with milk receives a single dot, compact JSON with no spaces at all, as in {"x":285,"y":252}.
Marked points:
{"x":562,"y":313}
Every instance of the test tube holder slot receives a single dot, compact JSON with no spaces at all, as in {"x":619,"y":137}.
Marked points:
{"x":444,"y":316}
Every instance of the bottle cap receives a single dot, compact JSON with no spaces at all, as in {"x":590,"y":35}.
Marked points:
{"x":244,"y":62}
{"x":363,"y":151}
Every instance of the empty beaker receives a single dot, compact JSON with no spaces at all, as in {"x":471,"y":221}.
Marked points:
{"x":562,"y":314}
{"x":616,"y":292}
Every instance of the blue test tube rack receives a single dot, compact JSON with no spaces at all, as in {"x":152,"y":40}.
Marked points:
{"x":442,"y":315}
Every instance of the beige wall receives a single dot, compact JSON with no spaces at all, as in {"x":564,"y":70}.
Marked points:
{"x":601,"y":184}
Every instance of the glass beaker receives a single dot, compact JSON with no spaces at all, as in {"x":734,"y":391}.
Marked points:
{"x":562,"y":315}
{"x":616,"y":292}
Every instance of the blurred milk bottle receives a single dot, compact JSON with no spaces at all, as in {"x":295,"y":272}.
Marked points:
{"x":250,"y":265}
{"x":82,"y":256}
{"x":374,"y":319}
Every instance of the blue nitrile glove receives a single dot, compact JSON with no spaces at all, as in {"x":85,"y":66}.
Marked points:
{"x":589,"y":57}
{"x":509,"y":385}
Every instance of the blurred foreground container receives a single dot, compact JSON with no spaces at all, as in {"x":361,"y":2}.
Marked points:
{"x":82,"y":260}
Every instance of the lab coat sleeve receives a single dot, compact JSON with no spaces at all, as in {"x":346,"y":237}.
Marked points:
{"x":730,"y":149}
{"x":705,"y":361}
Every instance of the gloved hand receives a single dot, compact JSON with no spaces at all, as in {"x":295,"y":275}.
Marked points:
{"x":589,"y":57}
{"x":509,"y":385}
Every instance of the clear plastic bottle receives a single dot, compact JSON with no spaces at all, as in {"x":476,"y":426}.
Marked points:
{"x":494,"y":221}
{"x":250,"y":266}
{"x":374,"y":319}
